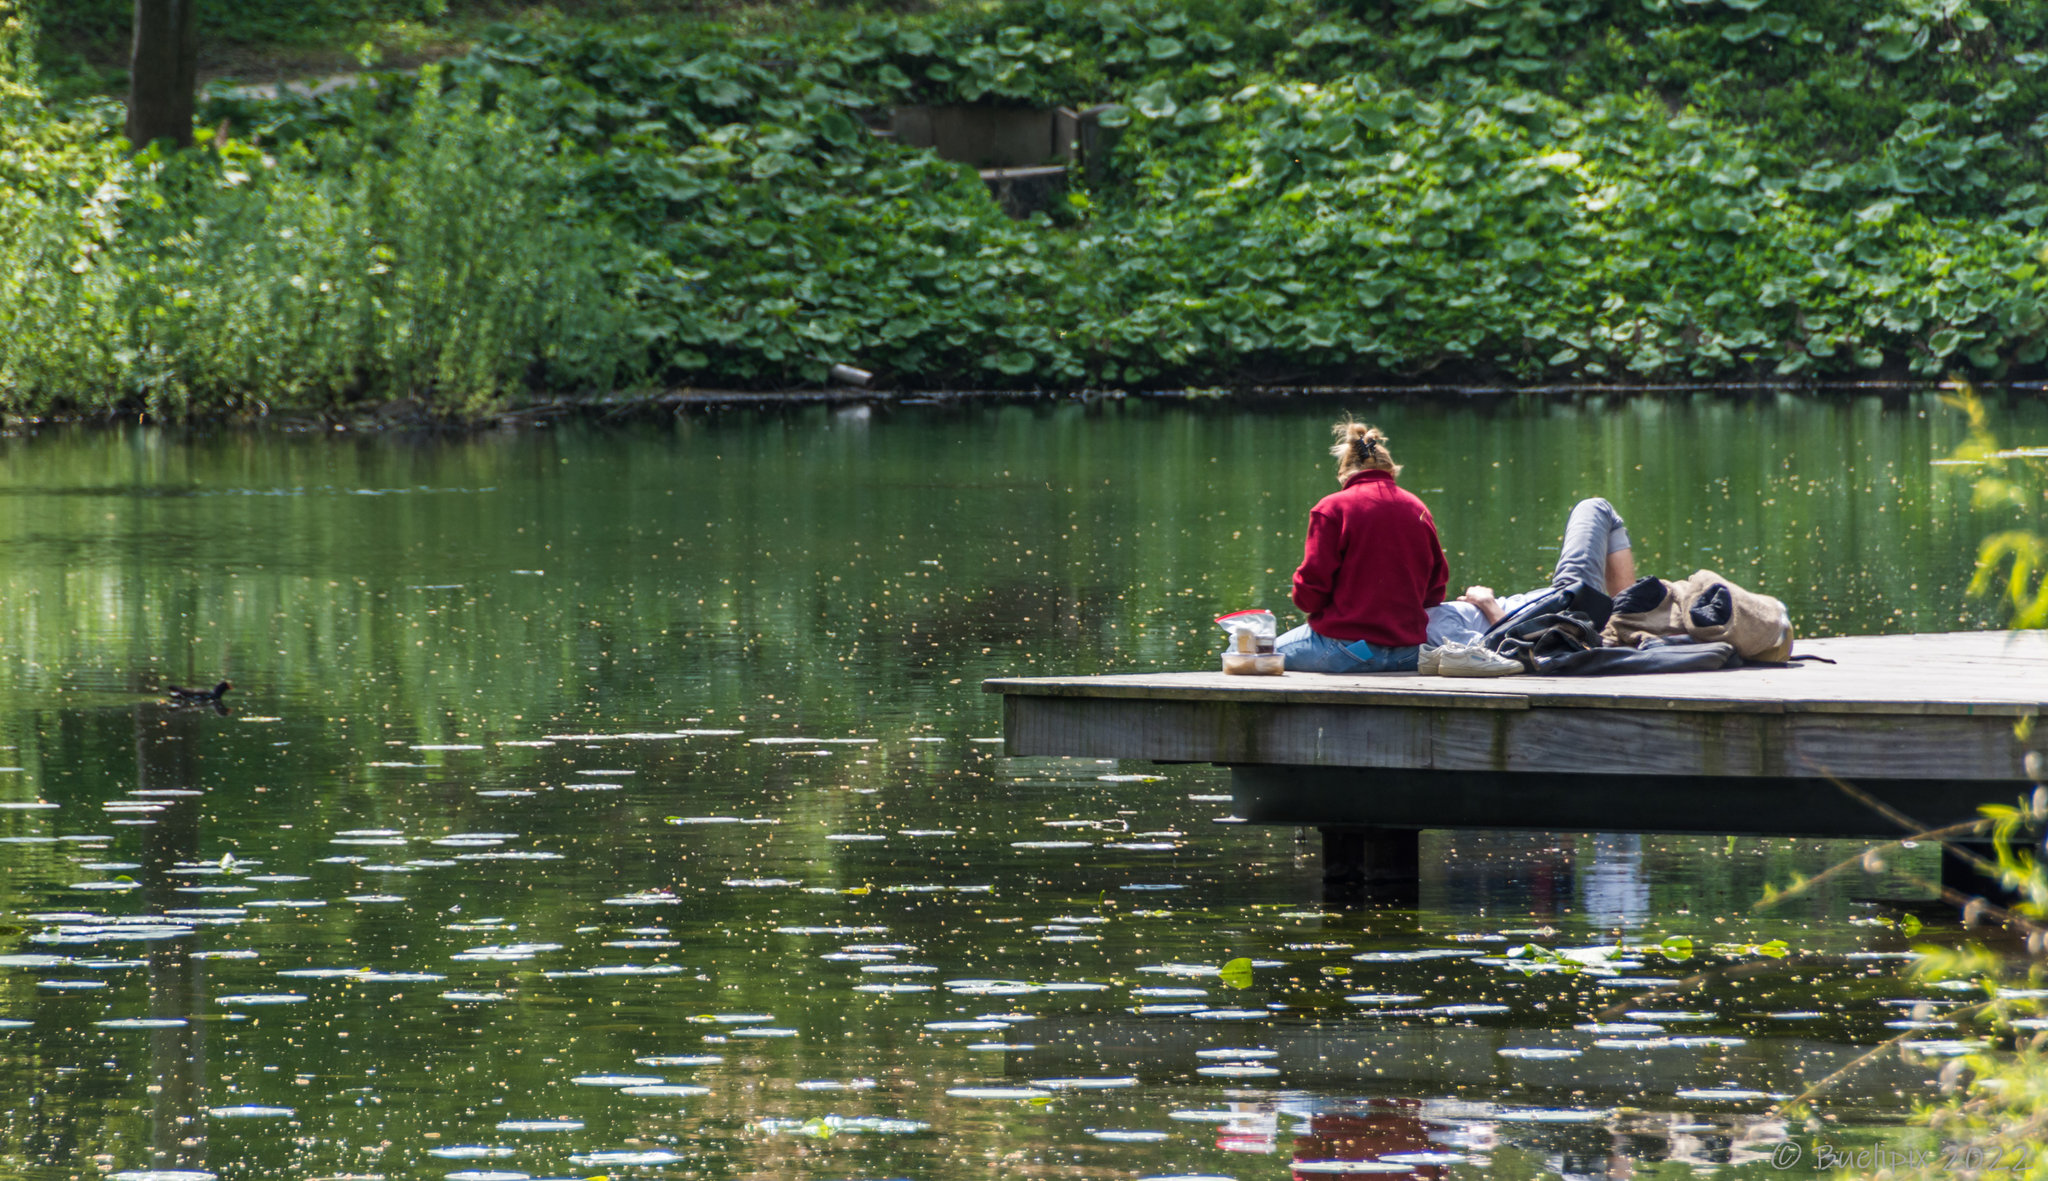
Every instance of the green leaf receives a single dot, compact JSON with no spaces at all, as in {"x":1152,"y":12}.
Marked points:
{"x":1909,"y":926}
{"x":723,"y":92}
{"x":1154,"y":102}
{"x":1676,"y":947}
{"x":1237,"y":973}
{"x":1016,"y":362}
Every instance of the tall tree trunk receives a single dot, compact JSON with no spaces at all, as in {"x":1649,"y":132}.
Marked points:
{"x":163,"y":70}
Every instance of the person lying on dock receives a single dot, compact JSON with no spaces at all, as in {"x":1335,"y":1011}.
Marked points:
{"x":1595,"y":558}
{"x":1574,"y":628}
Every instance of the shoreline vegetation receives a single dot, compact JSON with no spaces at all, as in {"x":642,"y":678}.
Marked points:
{"x":1438,"y":193}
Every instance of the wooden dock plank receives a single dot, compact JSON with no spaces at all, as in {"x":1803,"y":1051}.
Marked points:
{"x":2000,"y":674}
{"x":1925,"y":724}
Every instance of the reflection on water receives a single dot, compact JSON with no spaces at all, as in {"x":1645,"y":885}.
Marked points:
{"x":625,"y":802}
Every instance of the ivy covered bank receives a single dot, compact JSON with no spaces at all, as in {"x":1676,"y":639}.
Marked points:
{"x":1303,"y":190}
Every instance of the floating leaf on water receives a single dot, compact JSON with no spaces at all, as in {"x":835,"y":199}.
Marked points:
{"x":1101,"y":1083}
{"x":701,"y":820}
{"x":1552,"y":1115}
{"x":1236,"y":973}
{"x":1423,"y":953}
{"x":599,"y":1159}
{"x":618,"y":1080}
{"x":979,"y":987}
{"x":1237,"y":1070}
{"x":1947,"y":1048}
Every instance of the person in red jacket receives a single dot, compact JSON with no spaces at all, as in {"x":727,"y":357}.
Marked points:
{"x":1371,"y":570}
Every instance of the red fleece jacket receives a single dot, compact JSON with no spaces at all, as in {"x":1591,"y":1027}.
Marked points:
{"x":1373,"y":565}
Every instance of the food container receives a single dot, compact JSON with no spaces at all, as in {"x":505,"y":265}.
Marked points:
{"x":1249,"y":648}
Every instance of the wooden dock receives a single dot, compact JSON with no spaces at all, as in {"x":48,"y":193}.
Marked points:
{"x":1930,"y":726}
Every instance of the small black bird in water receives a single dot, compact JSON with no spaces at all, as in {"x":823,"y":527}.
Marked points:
{"x":183,"y":696}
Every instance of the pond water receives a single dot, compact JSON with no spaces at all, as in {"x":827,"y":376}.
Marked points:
{"x":624,"y":801}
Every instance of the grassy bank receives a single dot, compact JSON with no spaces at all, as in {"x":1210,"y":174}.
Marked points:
{"x":1635,"y":189}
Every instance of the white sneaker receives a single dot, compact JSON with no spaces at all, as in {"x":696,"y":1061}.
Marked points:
{"x":1426,"y":660}
{"x":1476,"y":660}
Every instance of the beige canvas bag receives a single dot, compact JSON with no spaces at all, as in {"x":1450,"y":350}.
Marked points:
{"x":1760,"y":627}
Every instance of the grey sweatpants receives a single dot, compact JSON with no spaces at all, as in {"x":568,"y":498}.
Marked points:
{"x":1593,"y":531}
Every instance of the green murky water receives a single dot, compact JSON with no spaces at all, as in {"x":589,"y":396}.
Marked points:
{"x":625,"y":802}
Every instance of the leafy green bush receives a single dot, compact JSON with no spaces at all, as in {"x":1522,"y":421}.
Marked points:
{"x":1304,"y":189}
{"x":419,"y":256}
{"x":103,"y":25}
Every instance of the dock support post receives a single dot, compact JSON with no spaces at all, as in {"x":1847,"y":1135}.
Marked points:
{"x":1364,"y":853}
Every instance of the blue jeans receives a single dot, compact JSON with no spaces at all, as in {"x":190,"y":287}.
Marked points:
{"x":1307,"y":651}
